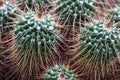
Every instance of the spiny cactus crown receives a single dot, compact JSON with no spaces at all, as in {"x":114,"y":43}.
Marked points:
{"x":115,"y":13}
{"x":36,"y":30}
{"x":100,"y":41}
{"x":6,"y":11}
{"x":71,"y":10}
{"x":59,"y":72}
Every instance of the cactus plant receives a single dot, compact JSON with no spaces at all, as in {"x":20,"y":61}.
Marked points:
{"x":72,"y":11}
{"x":34,"y":39}
{"x":99,"y":46}
{"x":35,"y":50}
{"x":59,"y":72}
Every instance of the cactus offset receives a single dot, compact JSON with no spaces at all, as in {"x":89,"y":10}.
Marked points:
{"x":34,"y":39}
{"x":99,"y":47}
{"x":59,"y":72}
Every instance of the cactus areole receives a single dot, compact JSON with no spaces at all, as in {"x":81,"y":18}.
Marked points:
{"x":36,"y":31}
{"x":59,"y":72}
{"x":101,"y":42}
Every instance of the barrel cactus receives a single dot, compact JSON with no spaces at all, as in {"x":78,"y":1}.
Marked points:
{"x":99,"y":47}
{"x":6,"y":15}
{"x":59,"y":72}
{"x":72,"y":11}
{"x":34,"y":40}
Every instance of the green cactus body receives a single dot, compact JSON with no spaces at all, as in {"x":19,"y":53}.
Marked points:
{"x":34,"y":37}
{"x":59,"y":72}
{"x":72,"y":11}
{"x":99,"y":46}
{"x":6,"y":13}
